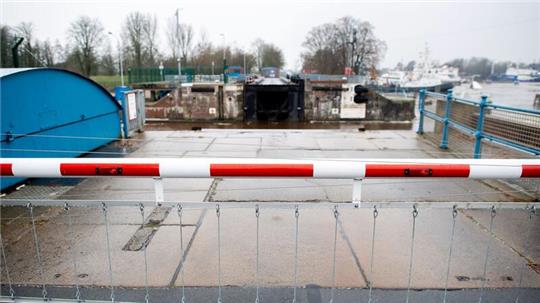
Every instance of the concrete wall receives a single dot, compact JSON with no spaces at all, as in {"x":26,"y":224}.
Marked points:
{"x":323,"y":101}
{"x":389,"y":108}
{"x":331,"y":100}
{"x":233,"y":102}
{"x":199,"y":102}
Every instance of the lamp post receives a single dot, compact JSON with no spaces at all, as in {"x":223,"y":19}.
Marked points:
{"x":179,"y":46}
{"x":224,"y":60}
{"x":120,"y":57}
{"x":161,"y":67}
{"x":213,"y":63}
{"x":245,"y":70}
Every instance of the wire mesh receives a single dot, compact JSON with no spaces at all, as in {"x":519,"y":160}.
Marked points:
{"x":513,"y":126}
{"x":317,"y":261}
{"x":517,"y":127}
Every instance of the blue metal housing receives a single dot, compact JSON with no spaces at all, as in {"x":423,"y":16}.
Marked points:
{"x":48,"y":112}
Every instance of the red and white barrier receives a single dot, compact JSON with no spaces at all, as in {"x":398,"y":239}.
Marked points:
{"x":228,"y":167}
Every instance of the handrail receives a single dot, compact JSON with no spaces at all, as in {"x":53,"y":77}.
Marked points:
{"x":478,"y":132}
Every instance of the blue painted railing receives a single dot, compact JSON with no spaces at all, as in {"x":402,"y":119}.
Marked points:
{"x":478,"y":133}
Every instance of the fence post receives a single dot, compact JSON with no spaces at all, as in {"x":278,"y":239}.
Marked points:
{"x":357,"y":192}
{"x":421,"y":105}
{"x":480,"y":128}
{"x":444,"y":141}
{"x":158,"y":190}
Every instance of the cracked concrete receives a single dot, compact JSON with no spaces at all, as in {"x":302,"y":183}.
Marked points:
{"x":161,"y":233}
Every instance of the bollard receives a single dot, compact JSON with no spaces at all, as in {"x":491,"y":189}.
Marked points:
{"x":480,"y":128}
{"x":444,"y":141}
{"x":421,"y":105}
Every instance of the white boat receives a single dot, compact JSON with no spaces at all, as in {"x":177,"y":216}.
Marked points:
{"x":522,"y":74}
{"x":426,"y":74}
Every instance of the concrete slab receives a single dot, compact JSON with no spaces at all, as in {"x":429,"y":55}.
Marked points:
{"x":235,"y":144}
{"x":221,"y":154}
{"x":353,"y":251}
{"x":344,"y":144}
{"x":138,"y":188}
{"x":91,"y":253}
{"x":306,"y":190}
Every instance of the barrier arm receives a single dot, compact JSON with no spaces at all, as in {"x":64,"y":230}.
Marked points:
{"x":352,"y":169}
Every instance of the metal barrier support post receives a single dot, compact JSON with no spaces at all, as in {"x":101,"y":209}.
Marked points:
{"x":357,"y":192}
{"x":444,"y":141}
{"x":158,"y":188}
{"x":421,"y":105}
{"x":480,"y":128}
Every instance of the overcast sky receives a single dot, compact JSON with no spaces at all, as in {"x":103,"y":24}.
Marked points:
{"x":500,"y":30}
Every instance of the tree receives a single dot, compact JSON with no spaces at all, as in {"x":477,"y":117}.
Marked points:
{"x":500,"y":67}
{"x":479,"y":66}
{"x":172,"y":37}
{"x":272,"y":56}
{"x":267,"y":54}
{"x":150,"y":39}
{"x":133,"y":33}
{"x":237,"y":58}
{"x":204,"y":54}
{"x":459,"y":63}
{"x":410,"y":66}
{"x":6,"y":43}
{"x":86,"y":36}
{"x":48,"y":53}
{"x":140,"y":32}
{"x":107,"y":64}
{"x":185,"y":37}
{"x":27,"y":57}
{"x":331,"y":47}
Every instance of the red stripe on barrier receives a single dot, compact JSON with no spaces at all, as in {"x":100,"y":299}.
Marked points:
{"x":6,"y":169}
{"x":530,"y":171}
{"x":261,"y":170}
{"x":109,"y":169}
{"x":418,"y":170}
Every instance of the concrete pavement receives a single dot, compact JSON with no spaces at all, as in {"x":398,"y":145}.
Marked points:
{"x":316,"y":226}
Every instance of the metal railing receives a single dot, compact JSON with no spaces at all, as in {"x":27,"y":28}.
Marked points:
{"x":415,"y":211}
{"x":511,"y":127}
{"x":378,"y":216}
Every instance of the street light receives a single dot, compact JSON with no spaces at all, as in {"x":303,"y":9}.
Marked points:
{"x":224,"y":60}
{"x":223,"y":36}
{"x":161,"y":67}
{"x":245,"y":70}
{"x":120,"y":57}
{"x":179,"y":46}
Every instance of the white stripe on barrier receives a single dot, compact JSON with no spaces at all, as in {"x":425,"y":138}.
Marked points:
{"x":35,"y":168}
{"x":194,"y":168}
{"x":487,"y":171}
{"x":339,"y":170}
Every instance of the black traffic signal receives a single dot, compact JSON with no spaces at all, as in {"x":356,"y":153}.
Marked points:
{"x":361,"y":94}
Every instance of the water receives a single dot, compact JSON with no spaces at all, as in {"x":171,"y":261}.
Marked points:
{"x":521,"y":95}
